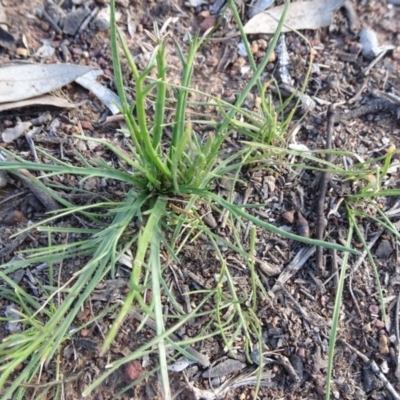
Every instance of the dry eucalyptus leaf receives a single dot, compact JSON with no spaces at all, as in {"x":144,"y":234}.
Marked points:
{"x":258,"y":6}
{"x":24,"y":81}
{"x":109,"y":98}
{"x":313,"y":14}
{"x":45,"y":100}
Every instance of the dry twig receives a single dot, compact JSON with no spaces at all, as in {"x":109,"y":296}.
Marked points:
{"x":323,"y":185}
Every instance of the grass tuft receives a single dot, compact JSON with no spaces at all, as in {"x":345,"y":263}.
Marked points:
{"x":168,"y":179}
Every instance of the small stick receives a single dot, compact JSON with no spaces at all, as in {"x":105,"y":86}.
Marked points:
{"x":352,"y":17}
{"x":42,"y":13}
{"x":397,"y":333}
{"x":375,"y":369}
{"x":334,"y":268}
{"x":293,"y":267}
{"x":353,"y":349}
{"x":372,"y":107}
{"x":384,"y":380}
{"x":323,"y":185}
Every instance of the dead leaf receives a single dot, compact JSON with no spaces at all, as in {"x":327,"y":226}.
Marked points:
{"x":313,"y":14}
{"x":24,"y":81}
{"x":109,"y":98}
{"x":258,"y":6}
{"x":45,"y":100}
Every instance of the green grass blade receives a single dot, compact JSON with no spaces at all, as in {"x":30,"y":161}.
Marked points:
{"x":336,"y":312}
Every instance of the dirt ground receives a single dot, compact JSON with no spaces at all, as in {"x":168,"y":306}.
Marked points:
{"x":296,"y":318}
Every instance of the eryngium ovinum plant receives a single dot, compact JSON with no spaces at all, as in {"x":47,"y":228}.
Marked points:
{"x":169,"y":178}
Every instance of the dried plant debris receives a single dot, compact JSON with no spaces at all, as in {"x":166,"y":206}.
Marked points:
{"x":372,"y":106}
{"x":293,"y":267}
{"x":257,"y":6}
{"x":370,"y":44}
{"x":181,"y":364}
{"x":109,"y":98}
{"x":41,"y":101}
{"x":286,"y":90}
{"x":24,"y":81}
{"x":301,"y":15}
{"x":12,"y":325}
{"x":283,"y":61}
{"x":224,"y":368}
{"x":243,"y":379}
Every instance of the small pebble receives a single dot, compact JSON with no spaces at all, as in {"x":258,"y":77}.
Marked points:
{"x":22,"y":52}
{"x":288,"y":216}
{"x":3,"y":179}
{"x":374,"y":309}
{"x":383,"y":344}
{"x":133,"y":370}
{"x":204,"y":14}
{"x":14,"y":218}
{"x":208,"y":22}
{"x":254,"y":47}
{"x":87,"y":125}
{"x":85,"y":332}
{"x":302,"y":226}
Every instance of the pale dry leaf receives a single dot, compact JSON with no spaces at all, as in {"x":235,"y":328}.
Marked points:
{"x":24,"y":81}
{"x":299,"y":147}
{"x":370,"y":44}
{"x":131,"y":23}
{"x":258,"y":6}
{"x":45,"y":100}
{"x":313,"y":14}
{"x":108,"y":97}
